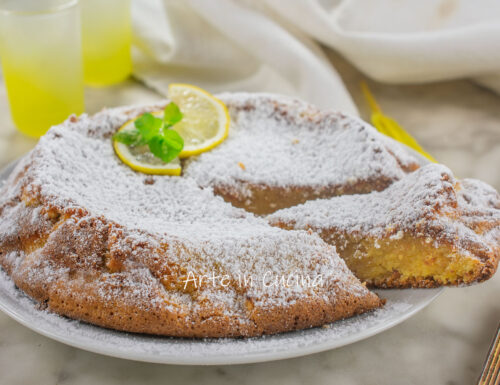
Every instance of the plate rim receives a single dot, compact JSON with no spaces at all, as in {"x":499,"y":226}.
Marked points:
{"x":246,"y":358}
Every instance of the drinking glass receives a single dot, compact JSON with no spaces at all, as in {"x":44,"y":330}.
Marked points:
{"x":106,"y":29}
{"x":40,"y":51}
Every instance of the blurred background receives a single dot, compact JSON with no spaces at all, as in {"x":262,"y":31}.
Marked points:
{"x":433,"y":66}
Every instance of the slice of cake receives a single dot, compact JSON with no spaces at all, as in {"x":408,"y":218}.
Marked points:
{"x":281,"y":152}
{"x":426,"y":230}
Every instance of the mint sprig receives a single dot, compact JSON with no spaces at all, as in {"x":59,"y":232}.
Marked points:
{"x":155,"y":132}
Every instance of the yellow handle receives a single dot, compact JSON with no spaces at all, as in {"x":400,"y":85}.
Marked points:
{"x":389,"y":126}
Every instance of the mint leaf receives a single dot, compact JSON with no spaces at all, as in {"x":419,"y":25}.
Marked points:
{"x":174,"y":140}
{"x":160,"y":148}
{"x":172,"y":114}
{"x":163,"y":143}
{"x":128,"y":137}
{"x":148,"y":125}
{"x":166,"y":146}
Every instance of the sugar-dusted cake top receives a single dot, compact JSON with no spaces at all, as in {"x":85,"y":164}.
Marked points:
{"x":279,"y":141}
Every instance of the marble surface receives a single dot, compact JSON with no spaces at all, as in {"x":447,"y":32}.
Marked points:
{"x":446,"y":343}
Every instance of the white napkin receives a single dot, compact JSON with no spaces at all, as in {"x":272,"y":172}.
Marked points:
{"x":406,"y":41}
{"x":225,"y":45}
{"x":266,"y":45}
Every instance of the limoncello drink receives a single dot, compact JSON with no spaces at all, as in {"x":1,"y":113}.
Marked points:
{"x":106,"y":41}
{"x":41,"y":58}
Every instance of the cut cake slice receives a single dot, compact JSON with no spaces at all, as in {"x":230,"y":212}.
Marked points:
{"x":426,"y":230}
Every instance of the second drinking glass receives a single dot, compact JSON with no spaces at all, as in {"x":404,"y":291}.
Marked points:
{"x":106,"y":41}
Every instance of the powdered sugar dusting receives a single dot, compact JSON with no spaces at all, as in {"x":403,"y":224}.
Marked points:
{"x":286,"y":142}
{"x":75,"y":170}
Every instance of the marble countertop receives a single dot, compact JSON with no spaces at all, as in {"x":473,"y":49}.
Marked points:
{"x":446,"y":343}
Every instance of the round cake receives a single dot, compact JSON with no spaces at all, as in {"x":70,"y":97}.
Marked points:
{"x":90,"y":239}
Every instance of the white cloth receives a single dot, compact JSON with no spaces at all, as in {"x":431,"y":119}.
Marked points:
{"x":267,"y":45}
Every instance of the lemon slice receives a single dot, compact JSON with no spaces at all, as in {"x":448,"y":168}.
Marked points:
{"x":205,"y":122}
{"x":139,"y":158}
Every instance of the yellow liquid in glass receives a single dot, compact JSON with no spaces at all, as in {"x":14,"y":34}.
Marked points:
{"x":42,"y":68}
{"x":36,"y":107}
{"x":106,"y":41}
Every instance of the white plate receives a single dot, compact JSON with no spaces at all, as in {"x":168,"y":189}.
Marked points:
{"x":401,"y":304}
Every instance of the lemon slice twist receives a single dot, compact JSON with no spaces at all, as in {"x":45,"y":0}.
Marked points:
{"x":205,"y":124}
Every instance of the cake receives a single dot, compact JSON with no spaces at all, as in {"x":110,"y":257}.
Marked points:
{"x":90,"y":239}
{"x":425,"y":230}
{"x":258,"y":236}
{"x":282,"y":152}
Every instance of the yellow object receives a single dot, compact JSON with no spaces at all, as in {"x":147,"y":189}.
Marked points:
{"x":38,"y":103}
{"x":408,"y":260}
{"x":42,"y":63}
{"x":206,"y":120}
{"x":141,"y":159}
{"x":107,"y":37}
{"x":389,"y":126}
